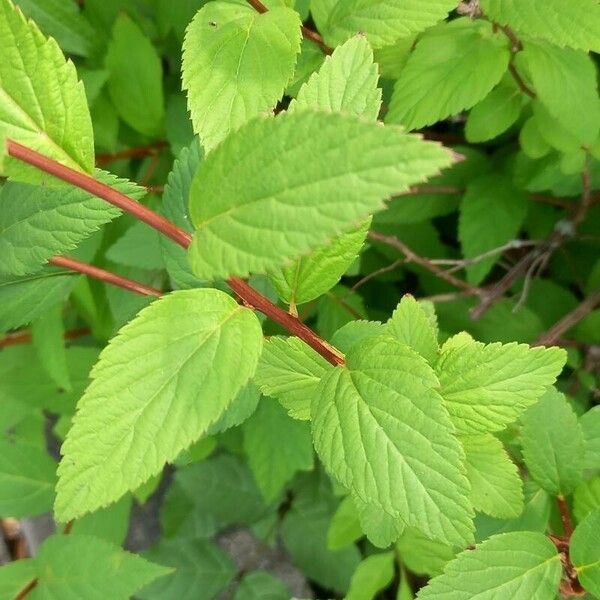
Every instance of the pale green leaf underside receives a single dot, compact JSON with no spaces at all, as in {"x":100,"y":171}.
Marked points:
{"x":381,"y":429}
{"x":553,"y":444}
{"x":383,"y":21}
{"x":160,"y":383}
{"x":326,"y":173}
{"x":575,"y":24}
{"x":585,"y":543}
{"x":39,"y":222}
{"x":496,"y":487}
{"x":236,"y":64}
{"x":454,"y":66}
{"x":520,"y":566}
{"x":289,"y":370}
{"x":42,"y":104}
{"x":487,"y":387}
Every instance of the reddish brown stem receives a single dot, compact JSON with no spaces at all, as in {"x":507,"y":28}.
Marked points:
{"x":246,"y":293}
{"x":26,"y":589}
{"x":106,"y":276}
{"x":139,"y":152}
{"x":565,"y":517}
{"x":24,"y":337}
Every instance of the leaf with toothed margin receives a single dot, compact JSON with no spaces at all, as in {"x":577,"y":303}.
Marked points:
{"x":326,"y":173}
{"x":380,"y":427}
{"x":158,"y":386}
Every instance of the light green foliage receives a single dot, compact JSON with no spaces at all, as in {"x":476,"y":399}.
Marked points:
{"x":410,"y":324}
{"x":373,"y":575}
{"x":201,"y":570}
{"x":311,"y":276}
{"x":221,"y":100}
{"x":48,"y":340}
{"x":422,"y":555}
{"x":381,"y":528}
{"x":495,"y":113}
{"x":586,"y":498}
{"x":39,"y":222}
{"x":344,"y":528}
{"x":135,"y":78}
{"x":496,"y":487}
{"x":584,"y":552}
{"x":487,"y":387}
{"x":27,"y":479}
{"x":158,"y":386}
{"x":553,"y":444}
{"x":383,"y":21}
{"x":575,"y":24}
{"x":77,"y":566}
{"x":277,"y":447}
{"x":42,"y":104}
{"x":261,"y":585}
{"x":380,"y":428}
{"x":565,"y":82}
{"x":241,"y":408}
{"x":15,"y":576}
{"x":346,"y":83}
{"x":138,"y":247}
{"x":327,"y":172}
{"x":492,"y":212}
{"x":110,"y":524}
{"x":520,"y":566}
{"x":453,"y":67}
{"x":590,"y":425}
{"x":289,"y":370}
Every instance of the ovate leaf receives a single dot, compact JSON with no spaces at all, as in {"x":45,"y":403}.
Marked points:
{"x":383,"y":21}
{"x":42,"y":104}
{"x":380,"y":527}
{"x":496,"y":487}
{"x":381,"y":429}
{"x":590,"y":425}
{"x":487,"y":387}
{"x":585,"y":550}
{"x":158,"y":386}
{"x":373,"y":575}
{"x":453,"y":67}
{"x":235,"y":37}
{"x":575,"y":24}
{"x":421,"y":555}
{"x":327,"y":172}
{"x":553,"y":444}
{"x":135,"y":78}
{"x":290,"y":370}
{"x":520,"y":566}
{"x":586,"y":498}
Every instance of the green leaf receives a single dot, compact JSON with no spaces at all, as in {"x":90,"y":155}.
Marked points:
{"x":221,"y":100}
{"x":345,"y":83}
{"x":496,"y":487}
{"x":575,"y":24}
{"x":380,"y":427}
{"x":327,"y":173}
{"x":383,"y":21}
{"x":135,"y":78}
{"x":277,"y":446}
{"x":39,"y":222}
{"x":590,"y":425}
{"x":77,"y":566}
{"x":201,"y":570}
{"x":495,"y":113}
{"x":381,"y":528}
{"x":289,"y":370}
{"x":110,"y":524}
{"x":175,"y":202}
{"x":48,"y":340}
{"x":421,"y":555}
{"x":373,"y":575}
{"x":161,"y":382}
{"x":586,"y":498}
{"x":344,"y":528}
{"x":492,"y":212}
{"x":565,"y":82}
{"x":355,"y":332}
{"x":61,"y":19}
{"x":261,"y":585}
{"x":242,"y":407}
{"x":519,"y":566}
{"x":553,"y":444}
{"x":138,"y":247}
{"x":311,"y":276}
{"x":42,"y":105}
{"x":411,"y":325}
{"x":27,"y":479}
{"x":585,"y":550}
{"x":454,"y":66}
{"x":487,"y":387}
{"x":15,"y":577}
{"x":210,"y":495}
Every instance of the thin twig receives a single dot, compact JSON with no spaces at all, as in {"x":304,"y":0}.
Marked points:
{"x":25,"y":337}
{"x":246,"y":293}
{"x":138,"y":152}
{"x":376,"y":273}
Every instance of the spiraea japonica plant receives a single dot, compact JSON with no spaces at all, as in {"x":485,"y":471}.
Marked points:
{"x":349,"y":307}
